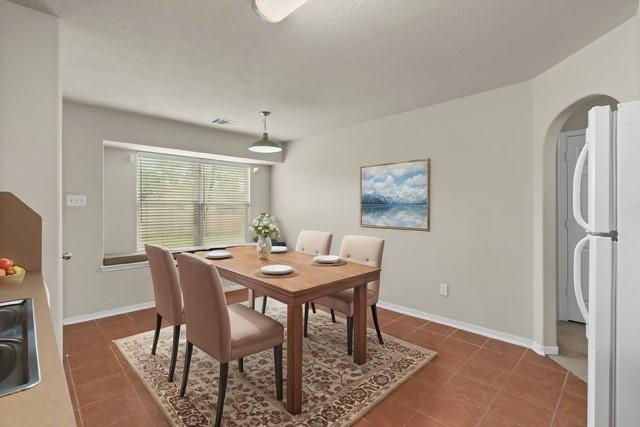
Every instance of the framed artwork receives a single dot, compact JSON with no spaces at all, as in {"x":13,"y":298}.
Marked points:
{"x":396,"y":195}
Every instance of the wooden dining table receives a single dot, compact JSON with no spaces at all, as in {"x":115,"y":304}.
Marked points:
{"x":309,"y":282}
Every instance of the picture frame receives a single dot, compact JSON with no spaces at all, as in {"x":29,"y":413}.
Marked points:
{"x":396,"y":195}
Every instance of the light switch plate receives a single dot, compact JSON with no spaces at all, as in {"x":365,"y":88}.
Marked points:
{"x":76,"y":200}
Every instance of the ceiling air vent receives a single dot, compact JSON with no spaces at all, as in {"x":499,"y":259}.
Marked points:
{"x":223,"y":122}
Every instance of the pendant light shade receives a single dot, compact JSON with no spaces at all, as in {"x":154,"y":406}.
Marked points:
{"x":264,"y":145}
{"x":276,"y":10}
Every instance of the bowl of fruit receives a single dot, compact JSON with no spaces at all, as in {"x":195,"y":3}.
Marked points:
{"x":10,"y":273}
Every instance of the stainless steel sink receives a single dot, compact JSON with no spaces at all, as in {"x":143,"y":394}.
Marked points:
{"x":19,"y":367}
{"x":11,"y":315}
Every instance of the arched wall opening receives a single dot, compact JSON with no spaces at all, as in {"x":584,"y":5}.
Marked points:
{"x":573,"y":116}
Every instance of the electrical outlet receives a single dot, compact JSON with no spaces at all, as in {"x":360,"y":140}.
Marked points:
{"x":76,"y":200}
{"x":444,"y":290}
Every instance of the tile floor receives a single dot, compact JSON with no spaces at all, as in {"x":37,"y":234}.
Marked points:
{"x":474,"y":381}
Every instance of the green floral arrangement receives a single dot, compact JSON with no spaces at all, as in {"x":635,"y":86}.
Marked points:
{"x":265,"y":225}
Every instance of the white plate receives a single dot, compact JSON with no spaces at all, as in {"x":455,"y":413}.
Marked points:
{"x":277,"y":269}
{"x":218,"y":254}
{"x":327,"y":259}
{"x":278,"y":249}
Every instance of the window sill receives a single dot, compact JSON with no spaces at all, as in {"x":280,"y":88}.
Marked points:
{"x":123,"y":266}
{"x":134,"y":260}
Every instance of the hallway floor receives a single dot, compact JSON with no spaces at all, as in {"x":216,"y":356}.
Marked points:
{"x":572,"y":342}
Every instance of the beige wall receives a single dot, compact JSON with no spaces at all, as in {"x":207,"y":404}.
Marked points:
{"x":496,"y":249}
{"x":30,"y":130}
{"x":480,"y":238}
{"x":111,"y":201}
{"x":608,"y":66}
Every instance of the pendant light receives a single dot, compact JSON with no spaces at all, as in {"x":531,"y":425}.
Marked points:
{"x":276,"y":10}
{"x":264,"y":145}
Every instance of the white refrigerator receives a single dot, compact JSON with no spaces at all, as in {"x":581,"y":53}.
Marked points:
{"x":612,"y":224}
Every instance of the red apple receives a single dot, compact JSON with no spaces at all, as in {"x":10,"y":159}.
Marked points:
{"x":5,"y":263}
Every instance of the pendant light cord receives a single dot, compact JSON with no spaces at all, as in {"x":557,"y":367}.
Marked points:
{"x":265,"y":114}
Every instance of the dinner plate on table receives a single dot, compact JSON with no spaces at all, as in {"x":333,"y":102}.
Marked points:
{"x":218,"y":254}
{"x":327,"y":259}
{"x":276,"y":269}
{"x":278,"y":249}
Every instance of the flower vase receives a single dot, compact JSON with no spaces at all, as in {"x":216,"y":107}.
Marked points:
{"x":264,"y":247}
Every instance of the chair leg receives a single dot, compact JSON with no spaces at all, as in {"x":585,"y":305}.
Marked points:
{"x":157,"y":334}
{"x":349,"y":335}
{"x":306,"y":317}
{"x":222,"y":389}
{"x":333,"y":316}
{"x":374,"y":314}
{"x":241,"y":364}
{"x":174,"y":352}
{"x":277,"y":358}
{"x":264,"y":304}
{"x":313,"y":307}
{"x":187,"y":365}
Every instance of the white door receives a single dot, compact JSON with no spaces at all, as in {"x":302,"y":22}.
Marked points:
{"x":569,"y":147}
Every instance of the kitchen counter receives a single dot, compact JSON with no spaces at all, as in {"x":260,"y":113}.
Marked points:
{"x":48,"y":403}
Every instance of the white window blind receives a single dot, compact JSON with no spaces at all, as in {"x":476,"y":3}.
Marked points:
{"x":184,"y":203}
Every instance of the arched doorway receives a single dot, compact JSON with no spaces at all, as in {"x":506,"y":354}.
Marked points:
{"x":567,"y":126}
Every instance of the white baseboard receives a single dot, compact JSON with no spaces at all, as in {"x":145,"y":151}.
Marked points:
{"x":469,"y":327}
{"x":549,"y":350}
{"x":106,"y":313}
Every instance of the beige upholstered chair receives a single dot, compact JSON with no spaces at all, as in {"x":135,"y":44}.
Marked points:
{"x":364,"y":250}
{"x":313,"y":243}
{"x":166,"y":289}
{"x":225,"y":332}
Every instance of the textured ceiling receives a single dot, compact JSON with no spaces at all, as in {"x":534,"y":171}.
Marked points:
{"x":332,"y":63}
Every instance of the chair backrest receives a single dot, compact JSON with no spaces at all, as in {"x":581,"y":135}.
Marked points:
{"x":364,"y":250}
{"x":205,"y":306}
{"x":166,"y":286}
{"x":314,"y":242}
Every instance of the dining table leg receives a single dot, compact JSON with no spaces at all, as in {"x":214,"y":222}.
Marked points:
{"x":294,"y":358}
{"x":360,"y":324}
{"x":252,"y":298}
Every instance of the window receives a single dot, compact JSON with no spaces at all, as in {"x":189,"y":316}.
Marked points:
{"x":185,"y":203}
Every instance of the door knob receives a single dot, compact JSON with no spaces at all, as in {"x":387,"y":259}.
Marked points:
{"x":67,"y":256}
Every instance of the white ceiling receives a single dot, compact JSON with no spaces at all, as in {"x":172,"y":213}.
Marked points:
{"x":332,"y":63}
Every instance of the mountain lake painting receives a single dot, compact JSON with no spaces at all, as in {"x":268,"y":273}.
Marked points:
{"x":395,"y":195}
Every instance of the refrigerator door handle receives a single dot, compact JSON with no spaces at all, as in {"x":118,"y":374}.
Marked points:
{"x":577,"y":187}
{"x":577,"y":277}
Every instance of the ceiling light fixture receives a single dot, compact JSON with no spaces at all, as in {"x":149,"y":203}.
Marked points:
{"x":276,"y":10}
{"x":264,"y":145}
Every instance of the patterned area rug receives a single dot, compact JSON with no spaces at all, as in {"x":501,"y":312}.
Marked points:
{"x":336,"y":391}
